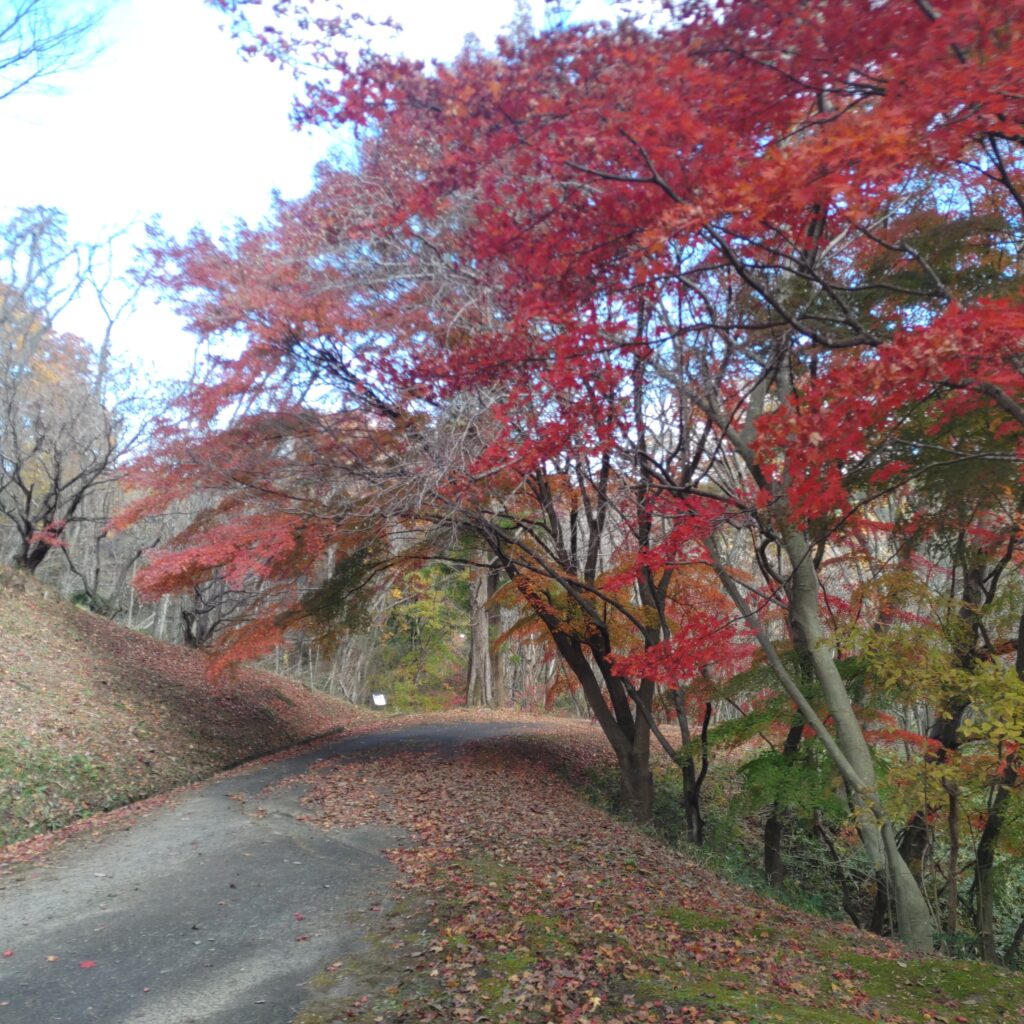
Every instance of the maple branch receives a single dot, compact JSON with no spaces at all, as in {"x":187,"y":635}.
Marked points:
{"x":649,"y":718}
{"x":1004,"y":175}
{"x":1000,"y":397}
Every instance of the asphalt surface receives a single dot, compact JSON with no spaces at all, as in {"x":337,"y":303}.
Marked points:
{"x":217,"y":908}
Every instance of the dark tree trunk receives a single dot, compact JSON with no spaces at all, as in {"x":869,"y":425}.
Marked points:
{"x":985,"y":864}
{"x":952,"y":861}
{"x":31,"y":556}
{"x":775,"y":826}
{"x":693,"y":778}
{"x":881,"y":910}
{"x":629,"y":737}
{"x":691,"y":801}
{"x":774,"y":832}
{"x":988,"y":843}
{"x":914,"y":844}
{"x":916,"y":838}
{"x":1013,"y":949}
{"x":849,"y":902}
{"x":636,"y":785}
{"x":499,"y":696}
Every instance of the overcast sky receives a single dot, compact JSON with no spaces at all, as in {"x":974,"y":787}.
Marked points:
{"x":168,"y":120}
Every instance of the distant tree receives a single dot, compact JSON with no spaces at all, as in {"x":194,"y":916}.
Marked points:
{"x":42,"y":38}
{"x":64,"y":419}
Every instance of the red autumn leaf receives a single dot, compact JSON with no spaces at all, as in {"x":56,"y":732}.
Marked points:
{"x":86,"y":964}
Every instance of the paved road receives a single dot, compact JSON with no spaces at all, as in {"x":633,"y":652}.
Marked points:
{"x":191,"y":915}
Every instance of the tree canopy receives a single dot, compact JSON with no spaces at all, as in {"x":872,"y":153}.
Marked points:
{"x":692,"y":324}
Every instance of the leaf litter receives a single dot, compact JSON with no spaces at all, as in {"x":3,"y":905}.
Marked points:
{"x":532,"y":906}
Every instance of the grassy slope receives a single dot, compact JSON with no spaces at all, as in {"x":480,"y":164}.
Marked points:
{"x":93,"y":715}
{"x":525,"y":905}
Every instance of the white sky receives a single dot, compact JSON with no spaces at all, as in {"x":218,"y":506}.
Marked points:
{"x":168,"y":120}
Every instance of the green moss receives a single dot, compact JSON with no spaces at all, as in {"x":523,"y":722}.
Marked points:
{"x":311,"y":1017}
{"x":824,"y":970}
{"x":694,"y":920}
{"x":323,"y":982}
{"x":487,"y":869}
{"x":726,"y":994}
{"x":42,"y":787}
{"x":983,"y":994}
{"x":496,"y":971}
{"x":545,"y":935}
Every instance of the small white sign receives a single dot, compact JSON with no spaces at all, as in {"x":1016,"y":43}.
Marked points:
{"x":379,"y":700}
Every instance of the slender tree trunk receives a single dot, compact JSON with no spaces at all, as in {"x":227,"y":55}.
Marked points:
{"x":985,"y":865}
{"x":629,"y":738}
{"x":912,"y":912}
{"x":989,"y":841}
{"x":775,"y":826}
{"x":161,"y":618}
{"x":497,"y":662}
{"x":952,"y":877}
{"x":478,"y":682}
{"x":849,"y":903}
{"x":693,"y":778}
{"x":1012,"y":951}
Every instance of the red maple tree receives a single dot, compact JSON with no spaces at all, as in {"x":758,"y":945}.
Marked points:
{"x":616,"y":299}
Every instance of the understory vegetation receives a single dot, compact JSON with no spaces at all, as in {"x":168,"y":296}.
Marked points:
{"x":821,"y":870}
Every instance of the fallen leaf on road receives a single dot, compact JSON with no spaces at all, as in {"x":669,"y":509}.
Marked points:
{"x":87,"y":964}
{"x":300,"y":917}
{"x":52,"y":959}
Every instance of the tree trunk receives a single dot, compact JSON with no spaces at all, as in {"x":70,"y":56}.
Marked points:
{"x":952,"y":887}
{"x":493,"y":617}
{"x":775,"y":826}
{"x":1012,"y":951}
{"x":31,"y":556}
{"x":985,"y":865}
{"x":987,"y":844}
{"x":693,"y":779}
{"x":478,"y":669}
{"x":912,"y":912}
{"x":774,"y":831}
{"x":629,"y":738}
{"x":636,"y":785}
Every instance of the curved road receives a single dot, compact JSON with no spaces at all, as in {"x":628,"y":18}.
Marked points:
{"x":216,"y":908}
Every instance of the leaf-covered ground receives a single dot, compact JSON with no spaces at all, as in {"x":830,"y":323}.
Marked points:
{"x":93,"y":715}
{"x":522,"y":903}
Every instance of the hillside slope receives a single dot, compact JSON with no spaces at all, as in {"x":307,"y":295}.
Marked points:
{"x":520,"y":903}
{"x":93,"y":715}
